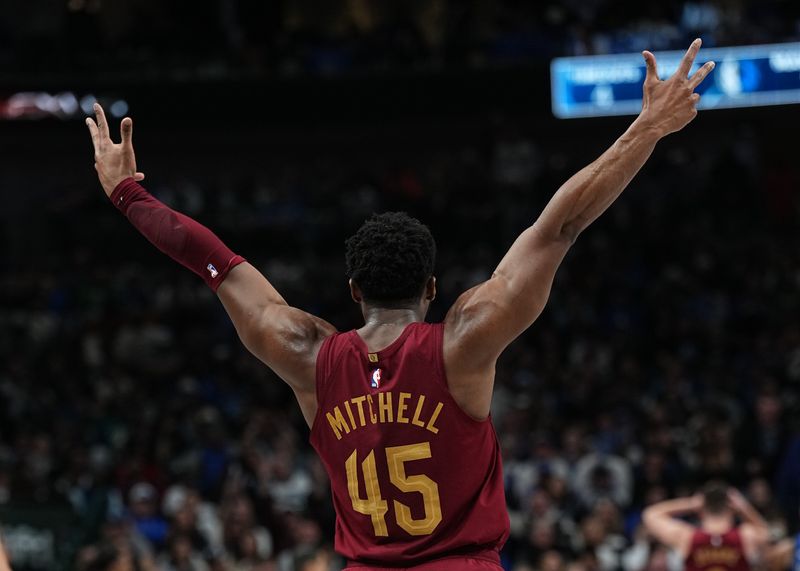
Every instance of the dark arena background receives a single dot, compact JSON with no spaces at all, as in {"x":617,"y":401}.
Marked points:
{"x":136,"y":432}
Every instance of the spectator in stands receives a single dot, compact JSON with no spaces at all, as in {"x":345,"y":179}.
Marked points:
{"x":181,"y":555}
{"x":145,"y":513}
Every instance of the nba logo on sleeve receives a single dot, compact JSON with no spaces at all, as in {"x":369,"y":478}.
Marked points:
{"x":375,"y":383}
{"x":212,"y":270}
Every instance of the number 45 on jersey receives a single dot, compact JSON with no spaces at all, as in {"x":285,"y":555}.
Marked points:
{"x":376,"y":507}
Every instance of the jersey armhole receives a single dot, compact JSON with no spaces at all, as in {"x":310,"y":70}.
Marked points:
{"x":328,"y":360}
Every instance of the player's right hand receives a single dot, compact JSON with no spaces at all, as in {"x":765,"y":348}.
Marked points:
{"x":113,"y":162}
{"x":668,"y":106}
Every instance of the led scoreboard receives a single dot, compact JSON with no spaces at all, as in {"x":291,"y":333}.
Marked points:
{"x":747,"y":76}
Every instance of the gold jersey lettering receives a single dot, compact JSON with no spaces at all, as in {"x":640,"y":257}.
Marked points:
{"x":402,"y":407}
{"x":385,"y":406}
{"x":364,"y":410}
{"x":372,"y":418}
{"x":723,"y":556}
{"x":432,"y":421}
{"x":416,"y":421}
{"x":350,"y":414}
{"x":359,"y":402}
{"x":337,"y":422}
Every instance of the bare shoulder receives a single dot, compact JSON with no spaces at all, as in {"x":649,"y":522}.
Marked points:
{"x":300,"y":332}
{"x":751,"y":529}
{"x":669,"y":530}
{"x":291,"y":343}
{"x":754,"y":535}
{"x":470,"y":317}
{"x":285,"y":338}
{"x":470,"y":352}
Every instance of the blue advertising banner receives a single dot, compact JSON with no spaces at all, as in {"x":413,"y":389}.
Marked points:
{"x":748,"y":76}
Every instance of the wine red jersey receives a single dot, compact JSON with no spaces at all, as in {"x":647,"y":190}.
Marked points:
{"x":414,"y":478}
{"x":717,"y":552}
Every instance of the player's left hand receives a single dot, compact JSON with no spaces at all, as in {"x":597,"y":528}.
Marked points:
{"x":113,"y":162}
{"x":669,"y":105}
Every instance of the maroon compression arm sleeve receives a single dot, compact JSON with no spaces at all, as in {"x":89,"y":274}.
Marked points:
{"x":178,"y":236}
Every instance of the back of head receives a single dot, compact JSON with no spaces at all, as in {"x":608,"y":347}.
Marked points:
{"x":390,"y":258}
{"x":715,"y":498}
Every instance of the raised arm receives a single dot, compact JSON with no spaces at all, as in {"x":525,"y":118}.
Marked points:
{"x":283,"y":337}
{"x":660,"y":520}
{"x":485,"y":319}
{"x":754,"y":528}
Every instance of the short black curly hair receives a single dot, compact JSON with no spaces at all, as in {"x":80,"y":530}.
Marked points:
{"x":390,"y":258}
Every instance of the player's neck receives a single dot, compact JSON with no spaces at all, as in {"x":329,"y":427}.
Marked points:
{"x":379,"y":316}
{"x":716,"y":524}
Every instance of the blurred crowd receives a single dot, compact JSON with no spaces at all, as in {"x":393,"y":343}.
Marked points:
{"x":246,"y":37}
{"x":669,"y":353}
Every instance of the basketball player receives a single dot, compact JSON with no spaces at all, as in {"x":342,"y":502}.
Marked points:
{"x":718,"y":544}
{"x":399,"y":408}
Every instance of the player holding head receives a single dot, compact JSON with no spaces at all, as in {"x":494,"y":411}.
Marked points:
{"x":399,"y":408}
{"x":717,"y":543}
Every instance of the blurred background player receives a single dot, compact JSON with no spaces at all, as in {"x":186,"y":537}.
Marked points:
{"x":717,"y":543}
{"x":399,"y":406}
